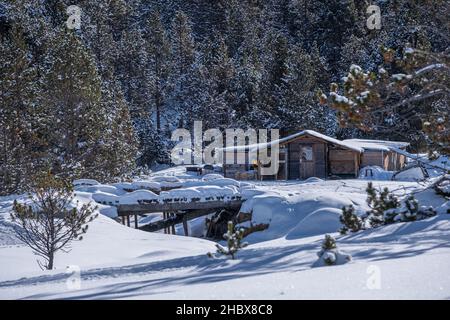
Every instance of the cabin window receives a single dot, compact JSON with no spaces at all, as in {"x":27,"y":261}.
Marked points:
{"x":307,"y":153}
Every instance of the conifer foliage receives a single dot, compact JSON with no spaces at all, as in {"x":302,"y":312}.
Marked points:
{"x":234,"y":241}
{"x":350,"y":220}
{"x":379,"y":202}
{"x":330,"y":255}
{"x":100,"y":100}
{"x":49,"y":224}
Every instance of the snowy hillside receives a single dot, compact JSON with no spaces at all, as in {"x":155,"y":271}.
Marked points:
{"x":402,"y":260}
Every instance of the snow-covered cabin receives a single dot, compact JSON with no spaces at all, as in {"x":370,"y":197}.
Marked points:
{"x":311,"y":154}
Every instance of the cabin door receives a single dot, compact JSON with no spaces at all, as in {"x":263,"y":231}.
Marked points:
{"x":306,"y":161}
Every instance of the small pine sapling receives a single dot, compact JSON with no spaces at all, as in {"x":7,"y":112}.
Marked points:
{"x":350,"y":221}
{"x":379,"y":202}
{"x":329,"y":254}
{"x":234,"y":241}
{"x":412,"y":205}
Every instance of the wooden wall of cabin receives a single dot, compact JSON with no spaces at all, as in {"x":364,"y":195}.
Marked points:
{"x":396,"y":161}
{"x":343,"y":162}
{"x":374,"y":158}
{"x":315,"y":168}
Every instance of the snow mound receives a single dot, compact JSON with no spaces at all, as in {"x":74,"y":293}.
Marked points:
{"x":298,"y":216}
{"x":126,"y":186}
{"x":138,"y":196}
{"x":101,"y":188}
{"x":85,"y":182}
{"x":413,"y":174}
{"x":375,"y":173}
{"x":212,"y":176}
{"x":152,"y":185}
{"x":312,"y":180}
{"x":321,"y":221}
{"x":335,"y":256}
{"x":106,"y":198}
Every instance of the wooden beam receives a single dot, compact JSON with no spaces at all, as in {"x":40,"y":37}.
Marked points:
{"x":174,"y":220}
{"x":131,"y":209}
{"x":173,"y":226}
{"x":185,"y":226}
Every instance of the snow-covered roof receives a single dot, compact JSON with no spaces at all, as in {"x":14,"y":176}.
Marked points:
{"x":322,"y":137}
{"x":259,"y":146}
{"x":359,"y":145}
{"x":376,"y":145}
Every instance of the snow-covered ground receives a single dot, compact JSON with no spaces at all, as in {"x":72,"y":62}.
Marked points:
{"x":399,"y":261}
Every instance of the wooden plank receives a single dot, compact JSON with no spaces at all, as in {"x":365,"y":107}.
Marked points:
{"x":174,"y":220}
{"x":342,"y":167}
{"x":129,"y":209}
{"x":341,"y":155}
{"x":173,"y":226}
{"x":185,"y":226}
{"x":319,"y":159}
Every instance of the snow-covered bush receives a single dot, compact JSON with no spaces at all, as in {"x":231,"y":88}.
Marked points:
{"x":330,"y":255}
{"x":349,"y":219}
{"x":234,"y":242}
{"x":410,"y":210}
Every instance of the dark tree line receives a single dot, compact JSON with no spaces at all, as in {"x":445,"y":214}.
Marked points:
{"x":98,"y":101}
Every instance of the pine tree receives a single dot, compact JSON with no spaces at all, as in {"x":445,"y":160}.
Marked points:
{"x":379,"y":202}
{"x":19,"y":93}
{"x":234,"y":241}
{"x":133,"y":73}
{"x":349,"y":219}
{"x":49,"y":225}
{"x":158,"y":67}
{"x":330,"y":255}
{"x":183,"y":52}
{"x":73,"y":120}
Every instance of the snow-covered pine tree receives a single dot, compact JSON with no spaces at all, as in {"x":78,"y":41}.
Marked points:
{"x":330,"y":255}
{"x":72,"y":116}
{"x":350,"y":220}
{"x":119,"y":146}
{"x":183,"y":52}
{"x":132,"y":72}
{"x":48,"y":221}
{"x":276,"y":49}
{"x":18,"y":95}
{"x":158,"y":64}
{"x":380,"y":201}
{"x":234,"y":241}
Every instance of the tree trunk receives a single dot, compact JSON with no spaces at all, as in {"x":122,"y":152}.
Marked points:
{"x":50,"y":260}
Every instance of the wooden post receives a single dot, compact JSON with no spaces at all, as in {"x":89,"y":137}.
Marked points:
{"x":173,"y":226}
{"x":185,"y":226}
{"x":164,"y":218}
{"x":135,"y":221}
{"x":128,"y":220}
{"x":123,"y":220}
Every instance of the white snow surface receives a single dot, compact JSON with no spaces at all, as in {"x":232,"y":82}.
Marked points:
{"x":411,"y":260}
